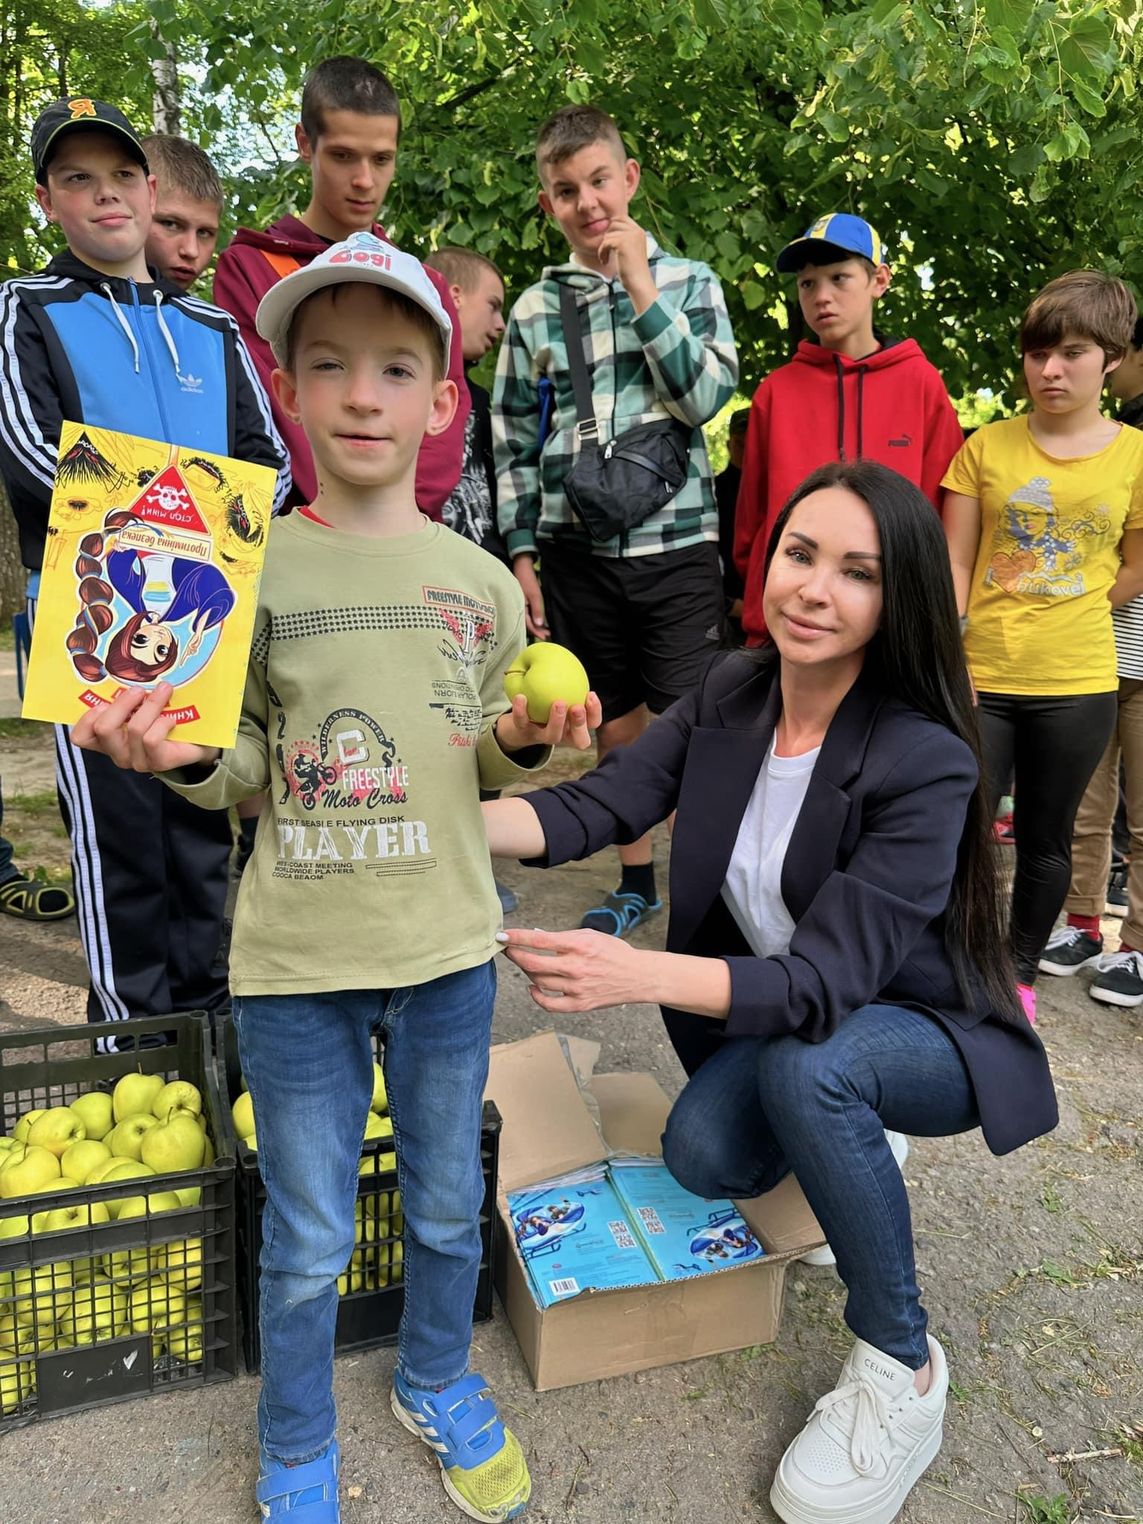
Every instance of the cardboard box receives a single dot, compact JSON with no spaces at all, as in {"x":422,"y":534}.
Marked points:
{"x":559,"y":1117}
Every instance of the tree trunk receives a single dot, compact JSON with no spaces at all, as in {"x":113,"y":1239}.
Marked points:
{"x":11,"y":571}
{"x":166,"y":108}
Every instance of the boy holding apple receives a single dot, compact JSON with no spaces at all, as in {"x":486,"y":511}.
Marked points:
{"x":374,"y":711}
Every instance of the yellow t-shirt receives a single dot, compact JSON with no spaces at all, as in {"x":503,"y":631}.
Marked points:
{"x":1038,"y":617}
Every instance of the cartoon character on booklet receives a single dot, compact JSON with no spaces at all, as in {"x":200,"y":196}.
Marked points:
{"x":547,"y":1223}
{"x":725,"y":1238}
{"x":144,"y":614}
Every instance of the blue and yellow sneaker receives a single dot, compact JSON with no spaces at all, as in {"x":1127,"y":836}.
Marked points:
{"x":482,"y":1465}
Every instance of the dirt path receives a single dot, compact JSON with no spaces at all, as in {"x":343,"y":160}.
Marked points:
{"x":1032,"y":1268}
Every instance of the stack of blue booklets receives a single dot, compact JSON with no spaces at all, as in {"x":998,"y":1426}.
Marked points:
{"x":625,"y":1223}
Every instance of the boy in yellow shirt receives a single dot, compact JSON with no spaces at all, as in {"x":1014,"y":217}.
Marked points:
{"x":1044,"y":521}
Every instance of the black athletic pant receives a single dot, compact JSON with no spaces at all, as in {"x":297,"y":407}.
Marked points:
{"x":150,"y":875}
{"x":1050,"y":746}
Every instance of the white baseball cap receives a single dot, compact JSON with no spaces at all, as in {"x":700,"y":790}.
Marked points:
{"x":364,"y":257}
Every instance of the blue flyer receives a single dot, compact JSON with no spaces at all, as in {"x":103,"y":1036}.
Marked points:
{"x":574,"y":1235}
{"x":683,"y":1234}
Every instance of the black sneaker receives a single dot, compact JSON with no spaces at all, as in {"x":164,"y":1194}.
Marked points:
{"x":1070,"y":949}
{"x":1117,"y":890}
{"x":1119,"y":980}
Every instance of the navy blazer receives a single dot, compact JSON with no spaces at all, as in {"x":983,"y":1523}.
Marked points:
{"x":866,"y":877}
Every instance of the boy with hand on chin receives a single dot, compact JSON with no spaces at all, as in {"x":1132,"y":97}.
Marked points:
{"x":642,"y":610}
{"x":374,"y":711}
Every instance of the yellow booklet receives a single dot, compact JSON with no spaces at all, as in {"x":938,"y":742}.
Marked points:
{"x":151,"y":571}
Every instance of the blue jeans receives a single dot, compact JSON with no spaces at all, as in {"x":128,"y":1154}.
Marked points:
{"x":307,"y":1061}
{"x":762,"y":1107}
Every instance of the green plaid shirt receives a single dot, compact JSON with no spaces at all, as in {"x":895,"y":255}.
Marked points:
{"x":677,"y":358}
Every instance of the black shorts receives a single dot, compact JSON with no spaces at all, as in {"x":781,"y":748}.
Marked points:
{"x":645,"y":627}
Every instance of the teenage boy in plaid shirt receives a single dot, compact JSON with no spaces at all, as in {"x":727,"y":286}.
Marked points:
{"x":643,"y":611}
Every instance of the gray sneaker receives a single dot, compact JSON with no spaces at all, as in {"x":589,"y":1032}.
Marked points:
{"x":1119,"y":980}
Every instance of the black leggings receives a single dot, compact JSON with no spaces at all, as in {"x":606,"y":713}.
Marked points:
{"x":1052,"y":746}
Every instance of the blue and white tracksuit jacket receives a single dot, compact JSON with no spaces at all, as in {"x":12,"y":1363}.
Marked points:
{"x":150,"y":870}
{"x":144,"y":359}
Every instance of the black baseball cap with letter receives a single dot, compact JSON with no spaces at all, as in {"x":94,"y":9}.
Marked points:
{"x":79,"y":114}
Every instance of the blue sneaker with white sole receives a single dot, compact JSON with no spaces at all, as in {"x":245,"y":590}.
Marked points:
{"x":482,"y":1466}
{"x":305,"y":1494}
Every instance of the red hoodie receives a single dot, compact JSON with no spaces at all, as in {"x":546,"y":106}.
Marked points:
{"x":243,"y":277}
{"x":890,"y":407}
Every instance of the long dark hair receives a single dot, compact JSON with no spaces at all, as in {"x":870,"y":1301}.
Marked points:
{"x":917,"y":658}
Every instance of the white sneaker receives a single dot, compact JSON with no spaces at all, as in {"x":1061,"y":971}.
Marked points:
{"x":865,"y":1443}
{"x":899,"y":1143}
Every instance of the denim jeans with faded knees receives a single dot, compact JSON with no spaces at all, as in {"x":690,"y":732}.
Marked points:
{"x":307,"y":1061}
{"x":761,"y":1107}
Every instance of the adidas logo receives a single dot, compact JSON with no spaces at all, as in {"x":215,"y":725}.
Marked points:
{"x":192,"y":384}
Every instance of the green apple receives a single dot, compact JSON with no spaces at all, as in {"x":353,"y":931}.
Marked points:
{"x":123,"y":1170}
{"x":77,"y":1214}
{"x":242,"y":1115}
{"x":6,"y":1144}
{"x":546,"y":674}
{"x":94,"y":1111}
{"x":183,"y":1263}
{"x":135,"y":1094}
{"x":126,"y":1139}
{"x":13,"y":1227}
{"x":377,"y":1127}
{"x":179,"y":1095}
{"x":18,"y":1338}
{"x":157,"y":1309}
{"x":77,"y":1162}
{"x":380,"y":1101}
{"x":17,"y":1381}
{"x":176,"y":1144}
{"x":20,"y":1131}
{"x":26,"y":1168}
{"x":98,"y":1311}
{"x":101,"y":1171}
{"x":252,"y":1142}
{"x":185,"y":1339}
{"x":208,"y":1151}
{"x":57,"y":1129}
{"x":41,"y":1293}
{"x":190,"y":1195}
{"x":134,"y":1264}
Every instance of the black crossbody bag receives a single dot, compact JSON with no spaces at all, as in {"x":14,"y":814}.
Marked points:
{"x":614,"y":487}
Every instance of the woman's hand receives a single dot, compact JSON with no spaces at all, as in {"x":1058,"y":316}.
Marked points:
{"x":568,"y":725}
{"x":134,"y":732}
{"x":580,"y":970}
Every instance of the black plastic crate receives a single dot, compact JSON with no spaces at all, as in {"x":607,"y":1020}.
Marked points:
{"x":59,"y":1349}
{"x":370,"y":1305}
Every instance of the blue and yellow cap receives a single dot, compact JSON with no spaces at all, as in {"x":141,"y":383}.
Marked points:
{"x":836,"y":236}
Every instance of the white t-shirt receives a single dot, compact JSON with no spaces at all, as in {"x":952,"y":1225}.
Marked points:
{"x":752,"y":889}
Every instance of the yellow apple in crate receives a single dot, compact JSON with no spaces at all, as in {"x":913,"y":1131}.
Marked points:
{"x":380,"y":1100}
{"x":176,"y":1144}
{"x":185,"y":1339}
{"x":81,"y":1158}
{"x":546,"y":674}
{"x":22,"y":1127}
{"x":125,"y":1140}
{"x":135,"y":1094}
{"x":26,"y":1168}
{"x":98,"y":1312}
{"x":94,"y":1111}
{"x":242,"y":1115}
{"x":178,"y":1095}
{"x":56,"y":1130}
{"x":42,"y":1292}
{"x":17,"y":1381}
{"x":156,"y":1308}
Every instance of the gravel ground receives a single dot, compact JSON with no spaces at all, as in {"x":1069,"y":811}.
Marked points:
{"x":1031,"y":1267}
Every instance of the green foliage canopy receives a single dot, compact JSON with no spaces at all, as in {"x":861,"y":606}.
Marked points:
{"x":994,"y":143}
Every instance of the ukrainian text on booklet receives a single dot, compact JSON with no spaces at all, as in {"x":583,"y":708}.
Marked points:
{"x":683,"y":1234}
{"x":627,"y":1223}
{"x":151,"y":569}
{"x":574,"y":1236}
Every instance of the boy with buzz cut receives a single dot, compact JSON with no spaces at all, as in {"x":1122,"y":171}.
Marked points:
{"x":852,"y":395}
{"x":643,"y":608}
{"x":374,"y":710}
{"x":188,"y":209}
{"x":96,"y":340}
{"x":347,"y":136}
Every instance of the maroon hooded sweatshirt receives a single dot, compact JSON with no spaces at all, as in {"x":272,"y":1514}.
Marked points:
{"x":256,"y":261}
{"x":891,"y":407}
